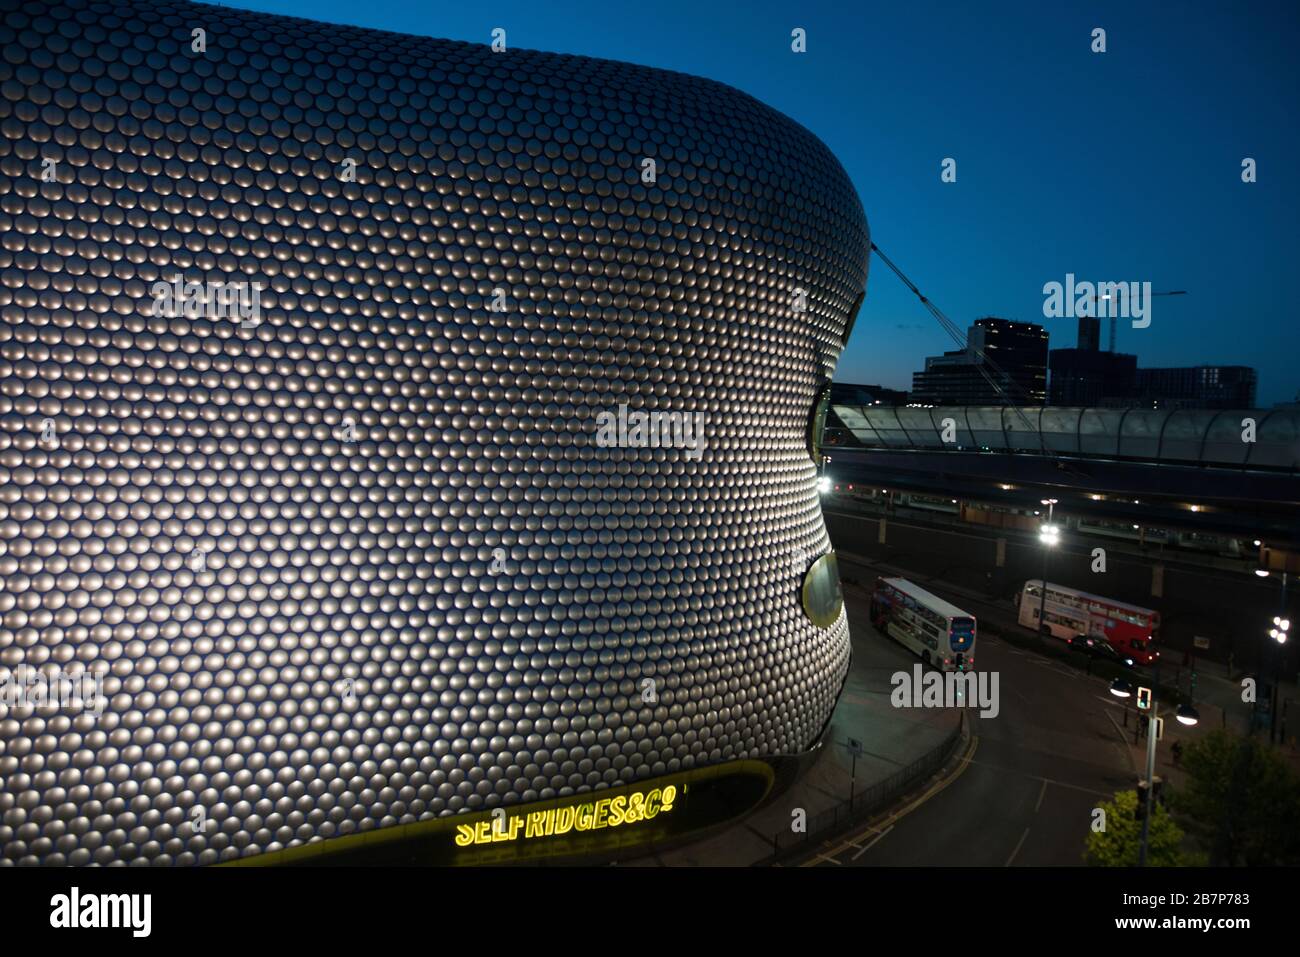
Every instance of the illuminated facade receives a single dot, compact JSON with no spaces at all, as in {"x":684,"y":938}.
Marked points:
{"x":306,"y":334}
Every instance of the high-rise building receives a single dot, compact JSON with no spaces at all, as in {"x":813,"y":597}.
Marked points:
{"x":1089,"y":334}
{"x":1196,"y":387}
{"x":1087,"y":377}
{"x":1004,"y":363}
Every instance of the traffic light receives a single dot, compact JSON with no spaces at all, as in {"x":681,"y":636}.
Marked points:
{"x":1144,"y":699}
{"x":1156,"y":798}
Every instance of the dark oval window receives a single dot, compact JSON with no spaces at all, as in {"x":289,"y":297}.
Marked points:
{"x":822,"y":599}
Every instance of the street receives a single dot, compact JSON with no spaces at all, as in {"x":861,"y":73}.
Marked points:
{"x":1038,"y":768}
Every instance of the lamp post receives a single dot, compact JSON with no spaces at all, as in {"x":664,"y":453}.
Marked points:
{"x":1049,"y":535}
{"x":1186,"y":713}
{"x":1278,"y":632}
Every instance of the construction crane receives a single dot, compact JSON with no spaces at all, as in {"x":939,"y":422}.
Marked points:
{"x":1097,"y":299}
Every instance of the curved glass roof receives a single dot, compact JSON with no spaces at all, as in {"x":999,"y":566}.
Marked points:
{"x":1196,"y":436}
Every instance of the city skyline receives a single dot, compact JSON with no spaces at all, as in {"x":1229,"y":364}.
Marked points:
{"x":1122,"y":166}
{"x":425,"y":444}
{"x":1003,"y":361}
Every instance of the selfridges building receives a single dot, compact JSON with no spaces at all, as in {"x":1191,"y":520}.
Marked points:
{"x":396,"y":429}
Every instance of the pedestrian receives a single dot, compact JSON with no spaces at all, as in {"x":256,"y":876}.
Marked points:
{"x":1177,"y":751}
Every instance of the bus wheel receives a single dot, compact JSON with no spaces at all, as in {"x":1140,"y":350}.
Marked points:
{"x":1044,"y":631}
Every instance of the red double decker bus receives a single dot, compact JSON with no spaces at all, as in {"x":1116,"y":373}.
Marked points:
{"x":1129,"y":629}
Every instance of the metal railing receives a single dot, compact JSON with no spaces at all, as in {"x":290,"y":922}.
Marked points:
{"x":863,"y":804}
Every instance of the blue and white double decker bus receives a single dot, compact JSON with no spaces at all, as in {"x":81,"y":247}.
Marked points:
{"x":939,"y":632}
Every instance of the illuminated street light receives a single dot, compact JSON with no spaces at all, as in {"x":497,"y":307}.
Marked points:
{"x":1281,"y":626}
{"x":1279,"y":630}
{"x":1121,"y":688}
{"x":1187,"y":714}
{"x":1049,"y":535}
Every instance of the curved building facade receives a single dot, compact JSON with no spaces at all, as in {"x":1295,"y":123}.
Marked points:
{"x":394,"y":429}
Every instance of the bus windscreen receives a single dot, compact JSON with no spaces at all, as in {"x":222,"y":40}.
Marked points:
{"x":963,"y":633}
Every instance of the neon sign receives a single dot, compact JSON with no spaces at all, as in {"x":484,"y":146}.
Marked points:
{"x":588,"y":816}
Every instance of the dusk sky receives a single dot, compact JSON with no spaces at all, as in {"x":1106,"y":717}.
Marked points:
{"x":1122,"y":166}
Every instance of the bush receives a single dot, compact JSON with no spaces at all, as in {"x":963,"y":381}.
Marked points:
{"x":1242,"y":799}
{"x":1118,"y":845}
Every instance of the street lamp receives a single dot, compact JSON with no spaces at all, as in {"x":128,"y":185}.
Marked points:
{"x":1186,"y":714}
{"x":1050,"y":536}
{"x":1281,"y":626}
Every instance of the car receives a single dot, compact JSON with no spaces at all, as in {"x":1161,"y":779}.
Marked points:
{"x":1101,"y":649}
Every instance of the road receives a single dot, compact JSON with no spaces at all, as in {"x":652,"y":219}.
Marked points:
{"x":1037,"y":770}
{"x":938,"y":556}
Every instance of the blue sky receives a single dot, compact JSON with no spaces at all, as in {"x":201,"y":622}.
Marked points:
{"x":1117,"y":166}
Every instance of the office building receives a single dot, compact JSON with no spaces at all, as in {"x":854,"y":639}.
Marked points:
{"x":1004,"y":363}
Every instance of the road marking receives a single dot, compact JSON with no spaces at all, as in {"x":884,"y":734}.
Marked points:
{"x":903,"y":812}
{"x":1053,"y":666}
{"x":1123,"y":739}
{"x":1019,"y":844}
{"x":1040,"y":796}
{"x":879,"y":837}
{"x":1000,"y":769}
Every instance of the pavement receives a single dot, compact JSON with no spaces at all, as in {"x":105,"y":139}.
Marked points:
{"x":1029,"y":780}
{"x":892,"y":738}
{"x":1022,"y":789}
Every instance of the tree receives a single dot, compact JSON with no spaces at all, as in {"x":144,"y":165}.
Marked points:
{"x":1242,"y":799}
{"x":1118,"y":844}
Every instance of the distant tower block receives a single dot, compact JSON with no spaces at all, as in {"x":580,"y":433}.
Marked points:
{"x":1089,"y":333}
